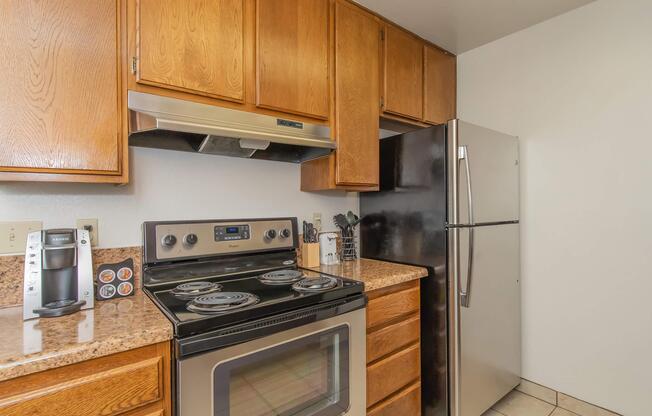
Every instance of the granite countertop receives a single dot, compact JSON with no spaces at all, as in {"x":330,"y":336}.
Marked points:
{"x":112,"y":326}
{"x":373,"y":273}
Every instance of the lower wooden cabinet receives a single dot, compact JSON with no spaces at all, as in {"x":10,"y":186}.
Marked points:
{"x":393,"y":351}
{"x":131,"y":383}
{"x":406,"y":402}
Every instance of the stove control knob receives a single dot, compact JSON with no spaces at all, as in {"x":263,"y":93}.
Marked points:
{"x":285,"y":233}
{"x":169,"y":240}
{"x":270,"y":235}
{"x":190,"y":239}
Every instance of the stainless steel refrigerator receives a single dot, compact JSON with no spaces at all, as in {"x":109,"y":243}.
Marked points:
{"x":449,"y":201}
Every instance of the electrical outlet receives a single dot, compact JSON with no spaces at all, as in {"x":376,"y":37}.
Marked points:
{"x":316,"y":221}
{"x":13,"y":235}
{"x":90,"y":225}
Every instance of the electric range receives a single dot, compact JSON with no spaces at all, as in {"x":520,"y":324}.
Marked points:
{"x":239,"y":303}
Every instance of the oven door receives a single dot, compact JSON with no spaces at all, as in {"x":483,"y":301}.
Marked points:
{"x":317,"y":369}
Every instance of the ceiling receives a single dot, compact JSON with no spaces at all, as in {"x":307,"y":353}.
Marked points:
{"x":461,"y":25}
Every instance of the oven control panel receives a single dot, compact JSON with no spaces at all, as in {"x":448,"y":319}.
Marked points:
{"x":231,"y":232}
{"x":170,"y":240}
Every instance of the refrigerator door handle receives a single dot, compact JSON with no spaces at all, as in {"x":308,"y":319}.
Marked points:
{"x":465,"y":295}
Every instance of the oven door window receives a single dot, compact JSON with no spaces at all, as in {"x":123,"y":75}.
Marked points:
{"x":308,"y":376}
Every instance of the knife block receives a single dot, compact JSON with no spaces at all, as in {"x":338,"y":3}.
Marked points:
{"x":310,"y":255}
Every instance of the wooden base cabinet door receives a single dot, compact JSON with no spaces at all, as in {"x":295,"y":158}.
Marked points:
{"x":130,"y":383}
{"x":292,"y":54}
{"x":439,"y":87}
{"x":357,"y":95}
{"x":195,"y":46}
{"x":60,"y":99}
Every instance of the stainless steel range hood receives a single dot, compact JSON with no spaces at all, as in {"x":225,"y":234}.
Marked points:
{"x":170,"y":123}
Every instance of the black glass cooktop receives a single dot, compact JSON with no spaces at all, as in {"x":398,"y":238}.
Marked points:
{"x":272,"y":299}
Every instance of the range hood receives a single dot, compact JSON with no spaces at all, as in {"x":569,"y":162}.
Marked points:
{"x":170,"y":123}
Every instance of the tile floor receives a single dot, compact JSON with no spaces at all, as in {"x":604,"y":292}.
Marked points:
{"x":517,"y":403}
{"x":520,"y":404}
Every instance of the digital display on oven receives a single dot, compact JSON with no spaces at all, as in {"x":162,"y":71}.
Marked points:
{"x":231,"y":232}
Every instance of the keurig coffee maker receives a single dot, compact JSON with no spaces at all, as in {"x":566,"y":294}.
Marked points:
{"x":58,"y":273}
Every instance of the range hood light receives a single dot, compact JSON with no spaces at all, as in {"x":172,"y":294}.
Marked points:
{"x":254,"y":144}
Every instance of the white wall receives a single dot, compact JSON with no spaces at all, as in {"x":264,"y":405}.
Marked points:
{"x":577,"y":89}
{"x":167,"y":185}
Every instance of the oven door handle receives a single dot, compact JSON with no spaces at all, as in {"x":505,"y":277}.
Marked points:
{"x":188,"y":346}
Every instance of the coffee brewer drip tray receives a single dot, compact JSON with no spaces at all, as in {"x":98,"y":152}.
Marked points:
{"x":59,"y":308}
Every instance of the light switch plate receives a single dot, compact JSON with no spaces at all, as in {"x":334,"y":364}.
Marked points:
{"x":90,"y":225}
{"x":13,"y":235}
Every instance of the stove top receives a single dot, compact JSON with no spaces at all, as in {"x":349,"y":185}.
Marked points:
{"x":245,"y":298}
{"x":241,"y":274}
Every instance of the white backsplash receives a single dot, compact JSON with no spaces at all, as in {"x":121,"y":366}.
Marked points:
{"x":169,"y":185}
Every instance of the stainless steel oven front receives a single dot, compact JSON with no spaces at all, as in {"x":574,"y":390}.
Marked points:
{"x":315,"y":369}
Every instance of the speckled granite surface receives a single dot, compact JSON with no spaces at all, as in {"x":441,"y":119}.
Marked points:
{"x":11,"y":271}
{"x":112,"y":326}
{"x":375,"y":274}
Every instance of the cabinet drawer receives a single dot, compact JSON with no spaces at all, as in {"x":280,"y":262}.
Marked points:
{"x":121,"y":383}
{"x":392,"y":338}
{"x":388,"y":307}
{"x":406,"y":402}
{"x":392,"y":373}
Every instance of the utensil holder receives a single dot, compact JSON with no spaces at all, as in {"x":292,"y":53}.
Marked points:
{"x":310,"y":255}
{"x":348,"y":250}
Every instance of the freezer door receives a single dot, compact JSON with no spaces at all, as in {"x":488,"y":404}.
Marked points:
{"x":490,"y":336}
{"x":487,"y":169}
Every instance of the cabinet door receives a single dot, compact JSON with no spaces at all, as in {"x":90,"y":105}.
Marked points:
{"x":403,"y":73}
{"x":292,"y":56}
{"x":439,"y":89}
{"x":357,"y":95}
{"x":60,"y":81}
{"x":129,"y":383}
{"x":196,"y":46}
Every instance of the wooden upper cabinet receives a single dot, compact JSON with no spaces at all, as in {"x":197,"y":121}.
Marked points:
{"x":195,"y":46}
{"x":439,"y":90}
{"x":355,"y":124}
{"x":403,"y":73}
{"x":60,"y":106}
{"x":357,"y":95}
{"x":292,"y":55}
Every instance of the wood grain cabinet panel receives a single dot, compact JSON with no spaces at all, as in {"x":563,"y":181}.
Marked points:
{"x":394,"y":350}
{"x":439,"y":86}
{"x":403,"y":73}
{"x":357,"y":95}
{"x":60,"y":106}
{"x":392,"y":373}
{"x":196,"y":46}
{"x":407,"y":402}
{"x":392,"y":338}
{"x":292,"y":56}
{"x":384,"y":309}
{"x":355,"y":164}
{"x":132,"y":383}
